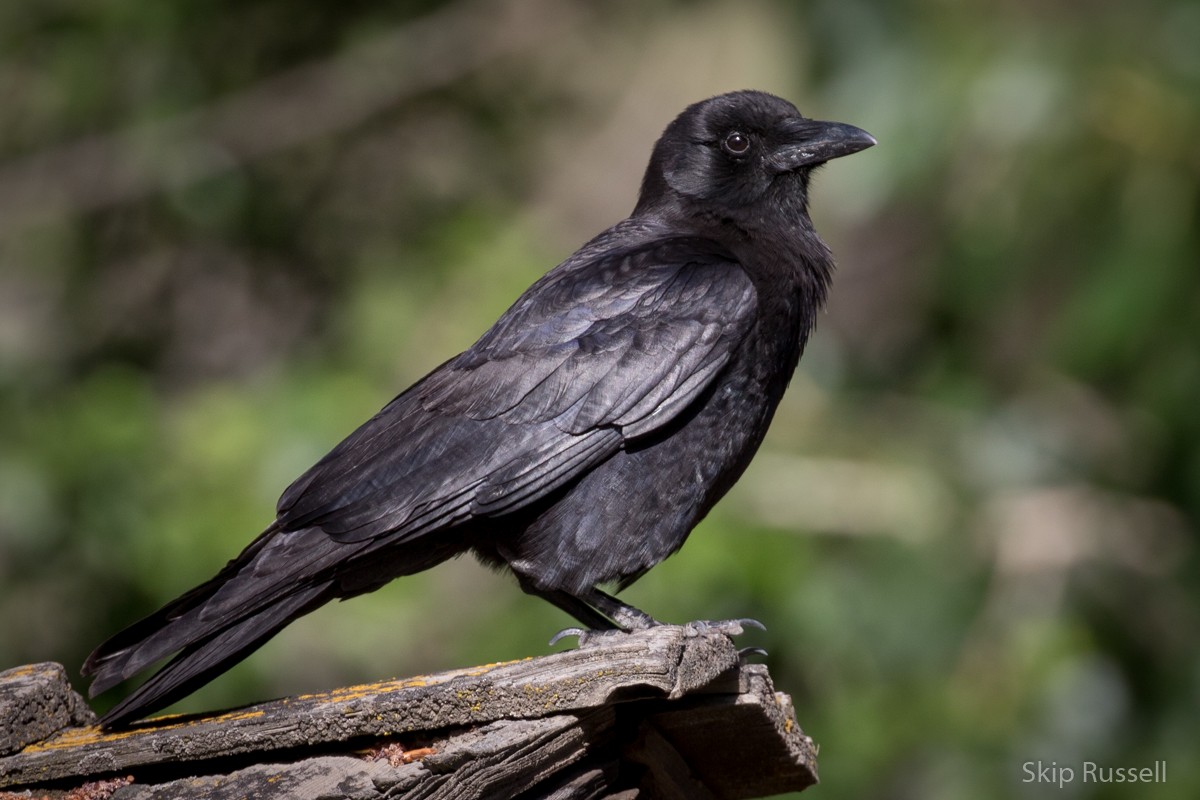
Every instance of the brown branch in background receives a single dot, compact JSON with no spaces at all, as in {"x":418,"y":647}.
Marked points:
{"x":293,"y":107}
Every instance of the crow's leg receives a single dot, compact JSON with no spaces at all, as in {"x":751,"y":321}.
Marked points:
{"x":573,"y":605}
{"x":601,"y":613}
{"x":626,"y":617}
{"x":577,"y":608}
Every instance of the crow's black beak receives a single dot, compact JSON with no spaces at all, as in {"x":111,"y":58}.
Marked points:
{"x":815,"y":142}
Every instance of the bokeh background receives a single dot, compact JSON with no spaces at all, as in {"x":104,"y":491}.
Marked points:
{"x":230,"y":231}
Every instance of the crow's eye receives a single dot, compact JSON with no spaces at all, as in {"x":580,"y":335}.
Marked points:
{"x":736,"y":144}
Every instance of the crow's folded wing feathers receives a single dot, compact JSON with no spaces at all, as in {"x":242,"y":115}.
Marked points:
{"x":601,"y":350}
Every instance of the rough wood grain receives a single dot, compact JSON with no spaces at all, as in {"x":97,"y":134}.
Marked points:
{"x":664,"y":713}
{"x":767,"y":733}
{"x":36,"y":701}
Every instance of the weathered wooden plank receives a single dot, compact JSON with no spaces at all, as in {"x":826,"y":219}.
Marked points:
{"x":645,"y":664}
{"x":767,"y":733}
{"x":344,"y":777}
{"x":669,"y":713}
{"x":502,"y":759}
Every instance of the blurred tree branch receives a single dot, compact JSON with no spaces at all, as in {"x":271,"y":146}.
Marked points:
{"x":296,"y":106}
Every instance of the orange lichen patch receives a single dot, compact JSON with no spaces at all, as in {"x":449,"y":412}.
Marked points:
{"x":399,"y":684}
{"x":367,"y":689}
{"x":93,"y":734}
{"x":23,"y":671}
{"x":483,"y":669}
{"x":232,"y":716}
{"x":77,"y":737}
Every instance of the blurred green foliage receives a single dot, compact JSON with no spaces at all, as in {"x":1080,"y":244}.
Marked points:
{"x":231,"y":231}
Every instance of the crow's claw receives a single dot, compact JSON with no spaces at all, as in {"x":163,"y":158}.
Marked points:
{"x":587,"y":637}
{"x":746,"y":652}
{"x":565,"y":632}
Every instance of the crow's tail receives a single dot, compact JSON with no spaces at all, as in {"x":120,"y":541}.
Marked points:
{"x":278,"y":578}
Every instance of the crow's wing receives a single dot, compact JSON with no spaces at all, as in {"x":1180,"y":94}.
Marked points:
{"x":609,"y":346}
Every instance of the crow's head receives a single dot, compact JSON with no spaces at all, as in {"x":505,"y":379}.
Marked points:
{"x":729,"y":151}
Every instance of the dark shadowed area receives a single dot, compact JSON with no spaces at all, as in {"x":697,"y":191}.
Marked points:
{"x":230,"y":232}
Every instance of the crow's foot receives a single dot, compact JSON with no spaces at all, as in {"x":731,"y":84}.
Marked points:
{"x":729,"y":627}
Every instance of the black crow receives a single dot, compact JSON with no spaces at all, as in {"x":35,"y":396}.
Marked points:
{"x":580,"y":439}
